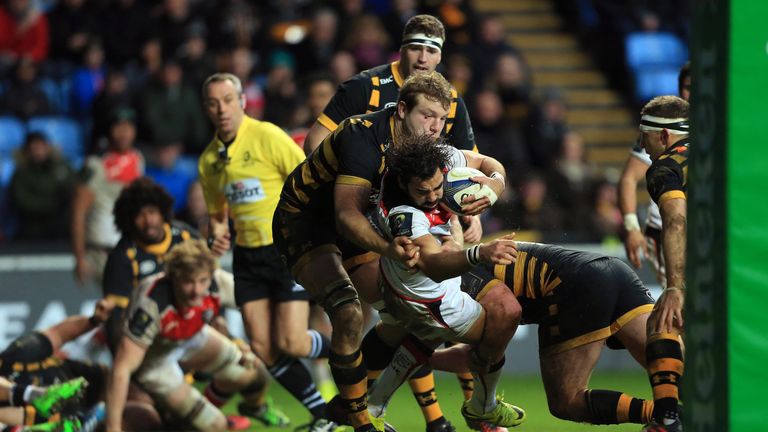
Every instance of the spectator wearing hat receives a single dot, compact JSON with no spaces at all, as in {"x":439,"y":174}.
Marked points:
{"x":98,"y":185}
{"x":40,"y":188}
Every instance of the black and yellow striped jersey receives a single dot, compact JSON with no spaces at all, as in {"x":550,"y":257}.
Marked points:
{"x":131,"y":261}
{"x":540,"y":268}
{"x":667,"y":178}
{"x":352,"y":154}
{"x":378,"y":88}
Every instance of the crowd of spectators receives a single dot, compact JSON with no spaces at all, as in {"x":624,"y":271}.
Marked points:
{"x":111,"y":62}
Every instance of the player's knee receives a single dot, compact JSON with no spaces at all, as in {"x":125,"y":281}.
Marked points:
{"x":201,"y":414}
{"x":294,"y":345}
{"x":567,"y":407}
{"x":347,"y":320}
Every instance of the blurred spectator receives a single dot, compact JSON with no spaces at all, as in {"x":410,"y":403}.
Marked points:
{"x":513,"y":86}
{"x":40,"y":190}
{"x":24,"y":97}
{"x":343,"y":66}
{"x":234,"y":24}
{"x":571,"y":182}
{"x":242,"y":67}
{"x":606,"y":218}
{"x":194,"y":57}
{"x":319,"y":91}
{"x":460,"y":22}
{"x":195,"y":213}
{"x":402,"y":11}
{"x":116,"y":95}
{"x":368,"y":42}
{"x":459,"y":73}
{"x":171,"y":110}
{"x":546,"y":129}
{"x":124,"y":31}
{"x":315,"y":51}
{"x":166,"y":169}
{"x":489,"y":46}
{"x":172,"y":26}
{"x":23,"y":32}
{"x":100,"y":182}
{"x":281,"y":93}
{"x":88,"y":80}
{"x":496,"y":137}
{"x":73,"y":25}
{"x":348,"y":11}
{"x":533,"y":209}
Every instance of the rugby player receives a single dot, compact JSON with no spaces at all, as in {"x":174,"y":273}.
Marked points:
{"x":316,"y":237}
{"x":34,"y":358}
{"x":371,"y":90}
{"x":429,"y":302}
{"x":664,"y":135}
{"x":143,"y":214}
{"x":241,"y":172}
{"x":166,"y":331}
{"x":648,"y":242}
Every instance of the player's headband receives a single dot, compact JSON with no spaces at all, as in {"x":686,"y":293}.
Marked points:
{"x":675,"y":126}
{"x":422,"y":39}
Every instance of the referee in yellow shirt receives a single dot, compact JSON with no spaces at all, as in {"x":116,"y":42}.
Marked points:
{"x":242,"y":172}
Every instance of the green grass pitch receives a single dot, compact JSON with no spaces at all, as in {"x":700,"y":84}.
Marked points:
{"x":525,"y":391}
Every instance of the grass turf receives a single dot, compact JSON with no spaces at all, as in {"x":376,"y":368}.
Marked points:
{"x":525,"y":391}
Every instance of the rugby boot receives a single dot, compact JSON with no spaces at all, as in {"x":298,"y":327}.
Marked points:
{"x":268,"y":414}
{"x":504,"y":415}
{"x":53,"y":397}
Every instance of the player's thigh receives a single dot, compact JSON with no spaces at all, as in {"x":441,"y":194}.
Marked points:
{"x":257,"y":318}
{"x":633,"y":336}
{"x":320,"y":268}
{"x":364,"y":278}
{"x":566,"y":373}
{"x":215,"y":351}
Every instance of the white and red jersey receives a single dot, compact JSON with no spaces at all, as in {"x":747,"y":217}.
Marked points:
{"x":414,"y":223}
{"x":653,"y":219}
{"x":154,"y":317}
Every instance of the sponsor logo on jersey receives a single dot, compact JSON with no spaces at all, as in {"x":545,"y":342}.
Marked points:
{"x":244,"y":191}
{"x":147,"y":267}
{"x":386,"y":80}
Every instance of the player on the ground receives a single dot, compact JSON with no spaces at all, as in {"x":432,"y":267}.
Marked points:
{"x":648,"y":242}
{"x":34,"y":358}
{"x":143,"y":215}
{"x":166,"y":331}
{"x":664,"y":135}
{"x":242,"y":171}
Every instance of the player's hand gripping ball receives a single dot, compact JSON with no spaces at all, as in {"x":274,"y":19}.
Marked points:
{"x":457,"y":186}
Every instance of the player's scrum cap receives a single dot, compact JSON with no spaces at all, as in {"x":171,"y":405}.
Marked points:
{"x":675,"y":126}
{"x":423,"y":39}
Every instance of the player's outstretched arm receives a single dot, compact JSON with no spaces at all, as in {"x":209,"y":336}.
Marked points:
{"x":441,"y":264}
{"x":495,"y":179}
{"x":634,"y":243}
{"x":350,"y":202}
{"x":128,"y":359}
{"x":75,"y":326}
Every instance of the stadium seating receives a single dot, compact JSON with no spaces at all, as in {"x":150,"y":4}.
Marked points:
{"x":654,"y":60}
{"x":64,"y":133}
{"x":654,"y":50}
{"x":12,"y":135}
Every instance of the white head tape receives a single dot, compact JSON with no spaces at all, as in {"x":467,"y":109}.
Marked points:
{"x":422,"y":39}
{"x":675,"y":126}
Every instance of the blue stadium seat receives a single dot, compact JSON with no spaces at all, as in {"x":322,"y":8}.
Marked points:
{"x":652,"y":82}
{"x":12,"y":135}
{"x":654,"y":50}
{"x":7,"y":166}
{"x":58,"y":94}
{"x":64,"y":133}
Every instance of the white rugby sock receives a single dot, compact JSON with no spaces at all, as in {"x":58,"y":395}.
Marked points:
{"x":484,"y":397}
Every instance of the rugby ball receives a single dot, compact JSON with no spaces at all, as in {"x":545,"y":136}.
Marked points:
{"x":458,"y":185}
